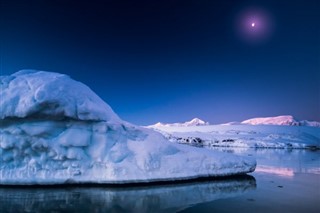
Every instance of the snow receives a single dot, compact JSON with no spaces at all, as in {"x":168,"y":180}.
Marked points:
{"x":279,"y":120}
{"x":309,"y":123}
{"x":231,"y":123}
{"x":193,"y":122}
{"x":283,"y":120}
{"x":246,"y":136}
{"x":40,"y":94}
{"x":287,"y":120}
{"x":55,"y":130}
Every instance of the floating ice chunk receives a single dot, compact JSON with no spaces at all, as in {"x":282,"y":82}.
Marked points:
{"x":50,"y":134}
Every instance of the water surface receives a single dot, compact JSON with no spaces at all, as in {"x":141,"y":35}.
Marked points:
{"x":149,"y":198}
{"x":284,"y":181}
{"x":287,"y":181}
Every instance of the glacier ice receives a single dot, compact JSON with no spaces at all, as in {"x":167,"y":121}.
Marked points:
{"x":244,"y":136}
{"x":56,"y":130}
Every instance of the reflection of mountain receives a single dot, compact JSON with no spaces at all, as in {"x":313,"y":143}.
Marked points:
{"x":279,"y":171}
{"x":161,"y":198}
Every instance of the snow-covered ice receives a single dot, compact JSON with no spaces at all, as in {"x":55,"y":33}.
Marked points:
{"x":56,"y":130}
{"x":47,"y":95}
{"x":246,"y":136}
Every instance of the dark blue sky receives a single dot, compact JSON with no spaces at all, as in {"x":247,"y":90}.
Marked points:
{"x":170,"y":61}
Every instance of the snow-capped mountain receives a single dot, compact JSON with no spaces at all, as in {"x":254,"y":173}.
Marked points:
{"x":287,"y":120}
{"x":193,"y":122}
{"x":284,"y":120}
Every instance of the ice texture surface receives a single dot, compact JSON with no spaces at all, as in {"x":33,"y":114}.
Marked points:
{"x":245,"y":136}
{"x":55,"y":130}
{"x":40,"y":94}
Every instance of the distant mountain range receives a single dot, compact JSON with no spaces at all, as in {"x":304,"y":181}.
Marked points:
{"x":193,"y":122}
{"x":284,"y":120}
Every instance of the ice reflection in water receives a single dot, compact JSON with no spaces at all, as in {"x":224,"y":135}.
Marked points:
{"x":282,"y":162}
{"x":288,"y":181}
{"x":160,"y":198}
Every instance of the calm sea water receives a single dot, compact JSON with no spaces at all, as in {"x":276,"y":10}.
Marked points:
{"x":284,"y":181}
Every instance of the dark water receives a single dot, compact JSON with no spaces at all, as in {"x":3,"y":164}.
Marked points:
{"x":285,"y":181}
{"x":159,"y":198}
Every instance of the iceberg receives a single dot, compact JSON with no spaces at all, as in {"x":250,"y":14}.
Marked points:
{"x":55,"y":130}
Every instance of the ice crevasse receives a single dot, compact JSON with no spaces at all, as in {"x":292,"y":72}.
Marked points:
{"x":55,"y":130}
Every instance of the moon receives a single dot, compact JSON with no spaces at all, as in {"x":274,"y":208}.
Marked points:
{"x":254,"y":25}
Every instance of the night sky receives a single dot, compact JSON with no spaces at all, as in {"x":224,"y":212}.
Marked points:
{"x":171,"y":61}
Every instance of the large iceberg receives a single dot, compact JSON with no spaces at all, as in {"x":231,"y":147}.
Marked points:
{"x":55,"y":130}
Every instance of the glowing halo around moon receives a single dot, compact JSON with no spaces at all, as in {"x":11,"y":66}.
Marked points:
{"x":254,"y":25}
